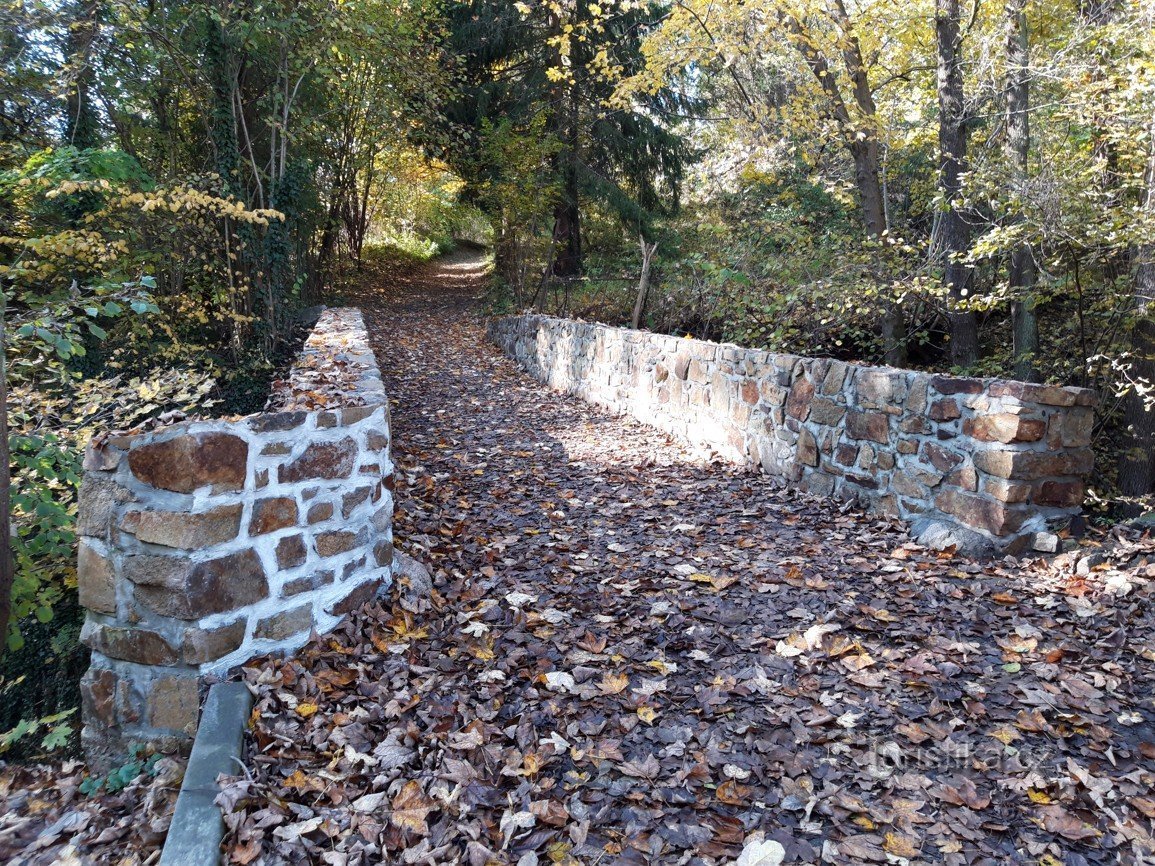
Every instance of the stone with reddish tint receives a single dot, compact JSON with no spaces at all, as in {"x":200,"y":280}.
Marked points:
{"x":200,"y":646}
{"x":1035,"y":464}
{"x":184,"y":531}
{"x":1059,"y":494}
{"x":355,"y":414}
{"x":1005,"y":427}
{"x":873,"y":426}
{"x":807,"y":449}
{"x":1006,"y":491}
{"x":138,"y":645}
{"x":950,"y":385}
{"x":269,"y":515}
{"x":375,"y":440}
{"x":285,"y":624}
{"x":749,"y":391}
{"x":96,"y":579}
{"x":942,"y":459}
{"x":291,"y":551}
{"x":319,"y":512}
{"x":190,"y":461}
{"x":321,"y":460}
{"x":980,"y":513}
{"x":333,"y":543}
{"x":366,"y":592}
{"x":798,"y":403}
{"x":944,"y":410}
{"x":98,"y":696}
{"x":826,"y":412}
{"x":1076,"y":427}
{"x":174,"y":703}
{"x":146,"y":569}
{"x":222,"y":584}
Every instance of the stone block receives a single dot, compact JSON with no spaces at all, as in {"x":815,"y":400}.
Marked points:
{"x":357,"y":597}
{"x":950,"y":385}
{"x":873,"y":426}
{"x":146,"y":569}
{"x":798,"y":403}
{"x":275,"y":422}
{"x":96,"y":579}
{"x":826,"y":412}
{"x":1075,"y":427}
{"x":319,"y":512}
{"x":200,"y":646}
{"x":98,"y":696}
{"x":980,"y":513}
{"x":216,"y":586}
{"x":1058,"y":494}
{"x":308,"y":583}
{"x":748,"y":391}
{"x":807,"y":449}
{"x":1005,"y":427}
{"x":138,"y":645}
{"x":351,"y":415}
{"x":835,"y":378}
{"x":321,"y":460}
{"x":377,"y":440}
{"x":1035,"y":464}
{"x":190,"y":461}
{"x":944,"y":410}
{"x":273,"y":513}
{"x":182,"y":530}
{"x":174,"y":703}
{"x":276,"y":449}
{"x":335,"y":542}
{"x":383,"y":553}
{"x":916,"y":398}
{"x":942,"y":459}
{"x":880,"y":386}
{"x":98,"y":501}
{"x":1006,"y":491}
{"x":291,"y":552}
{"x":285,"y":624}
{"x":1047,"y":395}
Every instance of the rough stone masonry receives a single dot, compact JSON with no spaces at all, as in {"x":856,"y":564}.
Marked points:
{"x":206,"y":543}
{"x":986,"y":464}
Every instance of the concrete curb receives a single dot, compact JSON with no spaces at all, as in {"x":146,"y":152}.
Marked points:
{"x":194,"y":837}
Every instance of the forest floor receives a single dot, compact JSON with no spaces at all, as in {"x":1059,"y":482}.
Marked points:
{"x":635,"y":653}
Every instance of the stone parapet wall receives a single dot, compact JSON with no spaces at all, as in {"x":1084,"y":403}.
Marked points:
{"x":206,"y":543}
{"x":983,"y":463}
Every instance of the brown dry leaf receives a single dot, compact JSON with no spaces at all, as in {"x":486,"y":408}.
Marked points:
{"x":410,"y":808}
{"x":614,"y":684}
{"x":732,"y":793}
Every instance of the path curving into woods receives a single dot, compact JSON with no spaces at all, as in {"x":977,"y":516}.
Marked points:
{"x":636,"y":655}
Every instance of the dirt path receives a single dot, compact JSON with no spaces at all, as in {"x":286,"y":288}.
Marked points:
{"x":636,"y":656}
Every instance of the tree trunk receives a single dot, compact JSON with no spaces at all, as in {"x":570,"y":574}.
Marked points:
{"x":7,"y":569}
{"x":1136,"y":467}
{"x":952,"y":141}
{"x":81,"y":128}
{"x":648,"y":251}
{"x":1021,"y":282}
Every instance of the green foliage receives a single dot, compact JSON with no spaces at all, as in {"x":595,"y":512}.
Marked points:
{"x":121,"y":777}
{"x":55,"y":732}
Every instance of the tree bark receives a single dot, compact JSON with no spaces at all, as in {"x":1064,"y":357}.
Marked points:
{"x":863,"y":147}
{"x":952,"y":140}
{"x":1137,"y":463}
{"x":648,"y":251}
{"x":7,"y":563}
{"x":81,"y":128}
{"x":1021,"y":281}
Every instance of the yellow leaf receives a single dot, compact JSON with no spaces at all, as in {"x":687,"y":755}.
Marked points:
{"x":306,"y":710}
{"x":900,"y":845}
{"x":614,"y":684}
{"x":1005,"y":735}
{"x":1040,"y":797}
{"x":647,"y":714}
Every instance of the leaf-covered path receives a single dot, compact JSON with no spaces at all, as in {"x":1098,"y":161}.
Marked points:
{"x":634,"y":655}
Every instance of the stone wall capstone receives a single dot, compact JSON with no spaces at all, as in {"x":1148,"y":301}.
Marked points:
{"x":985,"y":464}
{"x":208,"y":542}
